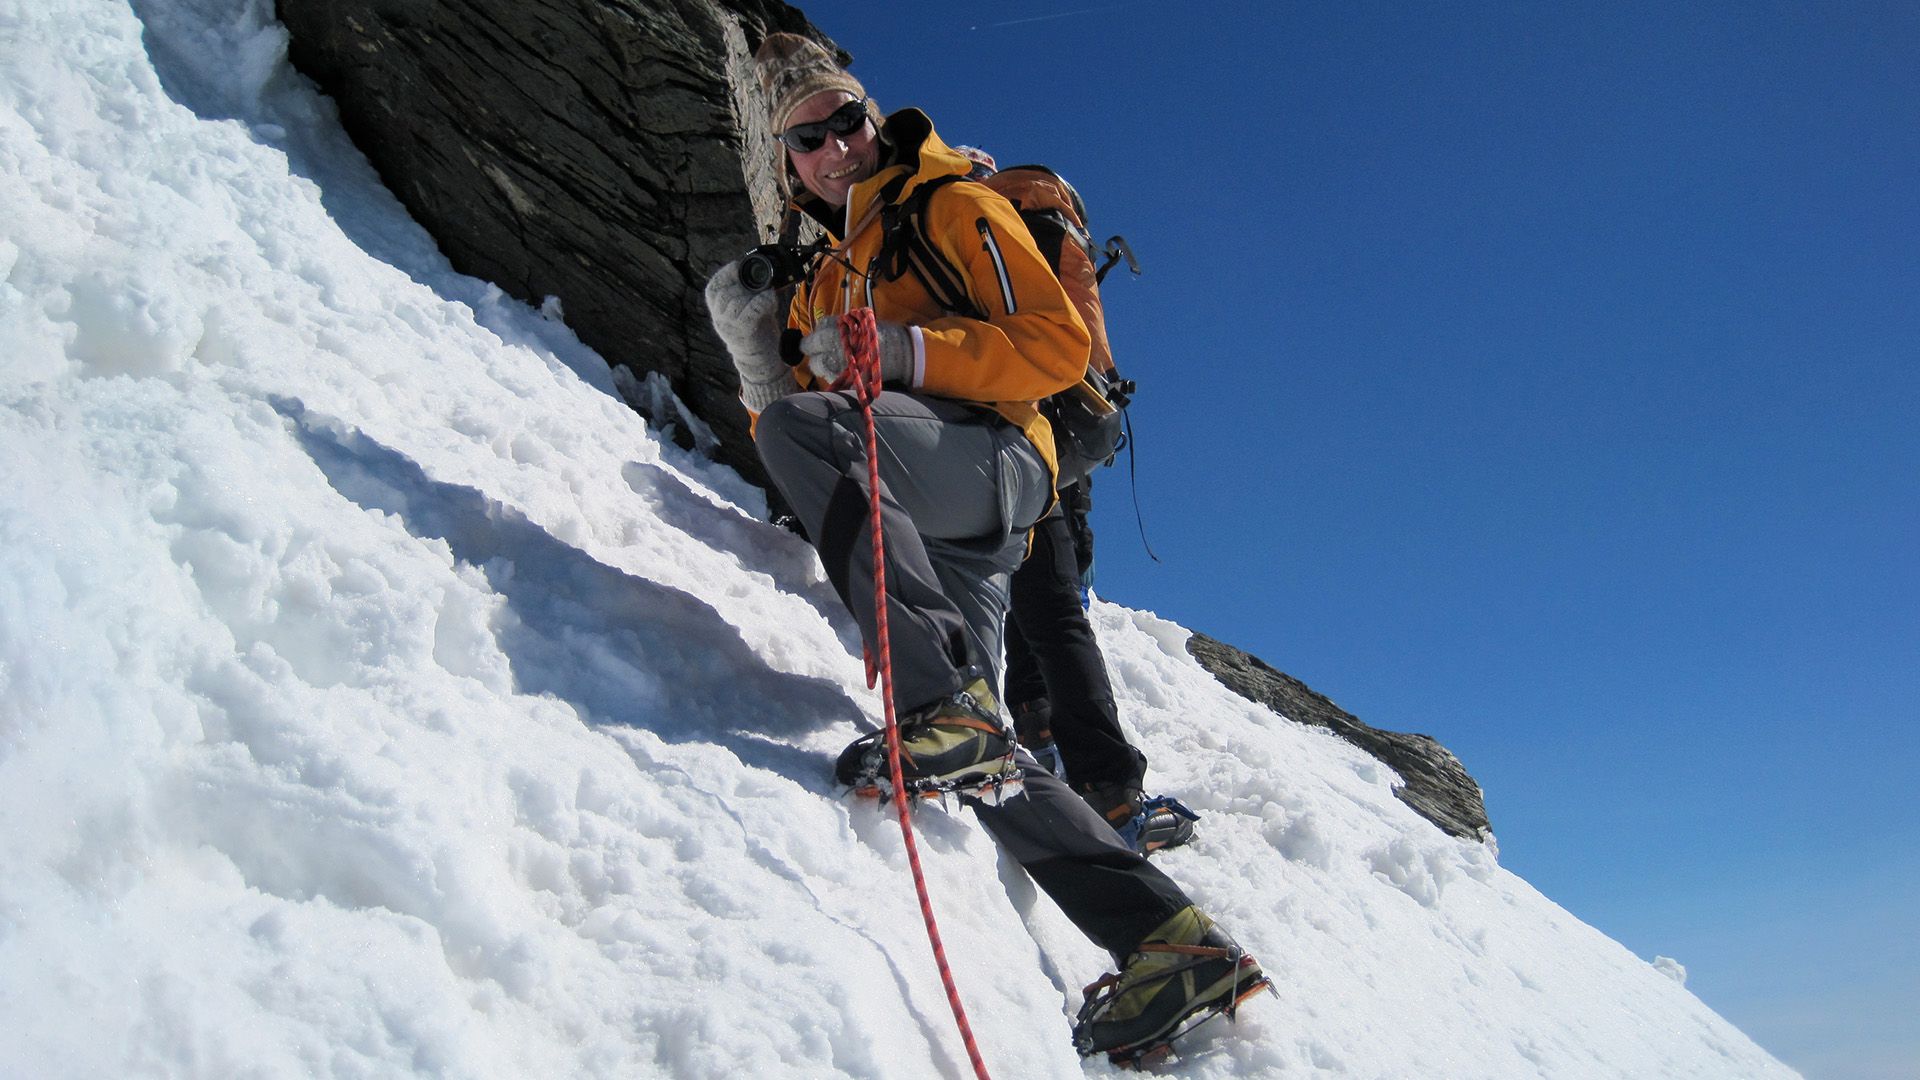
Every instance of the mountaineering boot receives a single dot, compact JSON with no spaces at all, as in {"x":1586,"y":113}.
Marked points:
{"x":1033,"y":726}
{"x":1115,"y":800}
{"x":1146,"y":825}
{"x":1185,"y":972}
{"x":957,"y":744}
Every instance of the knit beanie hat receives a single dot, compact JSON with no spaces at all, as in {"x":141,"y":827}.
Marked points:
{"x":792,"y":69}
{"x":983,"y":163}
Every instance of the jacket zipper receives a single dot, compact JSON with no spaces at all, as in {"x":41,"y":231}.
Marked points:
{"x":999,"y":264}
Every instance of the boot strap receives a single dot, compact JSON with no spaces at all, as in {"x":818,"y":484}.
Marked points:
{"x":964,"y":722}
{"x":1212,"y":951}
{"x":1199,"y":952}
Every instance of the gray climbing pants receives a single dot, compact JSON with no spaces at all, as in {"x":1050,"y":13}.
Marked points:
{"x":960,"y":487}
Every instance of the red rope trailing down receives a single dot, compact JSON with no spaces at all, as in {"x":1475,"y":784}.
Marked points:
{"x":861,"y":340}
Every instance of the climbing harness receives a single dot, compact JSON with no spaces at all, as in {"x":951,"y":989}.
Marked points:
{"x":860,"y":338}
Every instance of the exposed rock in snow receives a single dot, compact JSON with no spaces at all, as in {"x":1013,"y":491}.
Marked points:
{"x":1437,"y":785}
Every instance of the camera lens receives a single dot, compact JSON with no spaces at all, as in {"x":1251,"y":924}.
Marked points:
{"x":756,"y":271}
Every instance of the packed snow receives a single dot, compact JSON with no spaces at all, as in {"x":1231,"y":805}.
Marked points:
{"x":380,"y":697}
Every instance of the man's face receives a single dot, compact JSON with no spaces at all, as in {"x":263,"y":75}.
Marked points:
{"x":840,"y":161}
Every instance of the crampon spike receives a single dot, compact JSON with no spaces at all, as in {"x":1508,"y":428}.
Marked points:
{"x":992,"y":790}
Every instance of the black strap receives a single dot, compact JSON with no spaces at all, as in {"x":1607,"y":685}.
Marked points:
{"x":904,"y":248}
{"x":1133,"y":480}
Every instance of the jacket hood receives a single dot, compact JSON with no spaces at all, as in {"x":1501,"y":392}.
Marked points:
{"x":910,"y":148}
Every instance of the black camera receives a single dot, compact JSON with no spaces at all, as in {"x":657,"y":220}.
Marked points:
{"x":775,"y":266}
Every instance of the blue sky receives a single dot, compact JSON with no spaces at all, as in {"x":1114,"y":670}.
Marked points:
{"x":1543,"y":377}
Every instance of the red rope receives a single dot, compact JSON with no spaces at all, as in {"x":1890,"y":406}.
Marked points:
{"x":861,"y":339}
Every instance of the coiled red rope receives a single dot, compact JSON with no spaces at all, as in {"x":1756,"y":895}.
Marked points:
{"x":860,"y":338}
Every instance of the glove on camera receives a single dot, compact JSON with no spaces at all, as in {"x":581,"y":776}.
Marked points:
{"x":828,"y":357}
{"x":749,"y":323}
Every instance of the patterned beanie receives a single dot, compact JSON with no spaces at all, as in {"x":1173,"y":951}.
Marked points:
{"x":792,"y":69}
{"x":983,"y":163}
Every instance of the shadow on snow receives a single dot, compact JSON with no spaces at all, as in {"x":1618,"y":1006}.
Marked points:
{"x":620,"y":649}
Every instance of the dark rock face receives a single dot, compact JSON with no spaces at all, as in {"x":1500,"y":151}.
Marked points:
{"x":1437,"y":785}
{"x":607,"y":152}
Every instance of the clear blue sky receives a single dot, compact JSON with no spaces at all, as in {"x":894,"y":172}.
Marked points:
{"x":1544,"y":377}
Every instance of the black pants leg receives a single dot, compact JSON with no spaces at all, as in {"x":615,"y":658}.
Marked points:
{"x":1105,"y":887}
{"x":1051,"y":648}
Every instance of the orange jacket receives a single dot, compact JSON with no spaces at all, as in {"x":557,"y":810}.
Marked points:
{"x":1031,"y":345}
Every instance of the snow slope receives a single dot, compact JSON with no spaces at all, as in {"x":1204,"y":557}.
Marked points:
{"x":378,"y":697}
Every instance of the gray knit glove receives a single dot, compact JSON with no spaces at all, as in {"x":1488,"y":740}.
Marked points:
{"x":749,"y":324}
{"x":828,"y":358}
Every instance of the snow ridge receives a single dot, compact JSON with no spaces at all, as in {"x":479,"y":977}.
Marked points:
{"x":378,"y":697}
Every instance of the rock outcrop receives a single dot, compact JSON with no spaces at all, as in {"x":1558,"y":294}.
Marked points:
{"x":1437,"y":786}
{"x":610,"y":153}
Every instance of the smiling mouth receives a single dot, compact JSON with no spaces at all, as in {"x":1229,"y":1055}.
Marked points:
{"x":842,"y":174}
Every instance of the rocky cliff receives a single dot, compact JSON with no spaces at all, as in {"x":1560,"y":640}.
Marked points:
{"x":611,"y":153}
{"x":605,"y":152}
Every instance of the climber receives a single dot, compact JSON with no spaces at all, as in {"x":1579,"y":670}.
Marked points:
{"x":966,"y":469}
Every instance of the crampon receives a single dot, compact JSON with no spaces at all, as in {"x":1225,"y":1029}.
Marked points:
{"x":1162,"y":822}
{"x":988,"y":789}
{"x":1152,"y":1048}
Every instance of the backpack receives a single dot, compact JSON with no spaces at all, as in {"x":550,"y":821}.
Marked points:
{"x":1088,"y":418}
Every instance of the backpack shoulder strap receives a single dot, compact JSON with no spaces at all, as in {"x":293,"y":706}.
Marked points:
{"x":904,"y":249}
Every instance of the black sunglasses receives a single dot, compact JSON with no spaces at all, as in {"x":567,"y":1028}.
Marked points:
{"x":845,"y":120}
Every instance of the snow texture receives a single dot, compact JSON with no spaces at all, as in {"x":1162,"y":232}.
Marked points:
{"x":379,"y":697}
